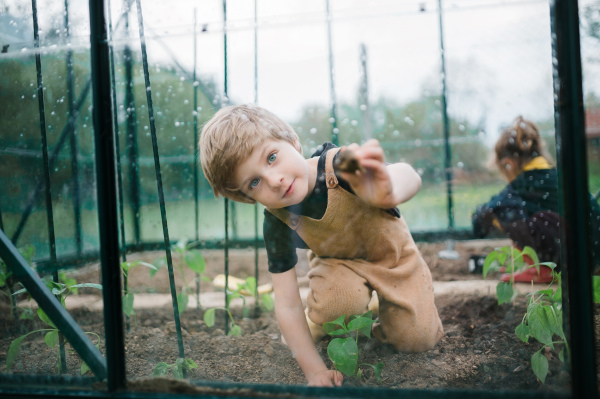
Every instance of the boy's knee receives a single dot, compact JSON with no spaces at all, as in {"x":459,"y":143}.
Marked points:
{"x":329,"y":304}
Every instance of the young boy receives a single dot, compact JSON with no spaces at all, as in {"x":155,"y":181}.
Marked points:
{"x":358,"y":241}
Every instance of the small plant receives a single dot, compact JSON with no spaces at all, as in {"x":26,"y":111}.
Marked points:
{"x":61,"y":290}
{"x":247,"y":288}
{"x":177,"y":368}
{"x":513,"y":261}
{"x":195,"y":261}
{"x":7,"y":282}
{"x":343,"y":352}
{"x":542,"y":321}
{"x":543,"y":318}
{"x":128,"y":295}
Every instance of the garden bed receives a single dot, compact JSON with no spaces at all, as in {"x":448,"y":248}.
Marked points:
{"x":479,"y":349}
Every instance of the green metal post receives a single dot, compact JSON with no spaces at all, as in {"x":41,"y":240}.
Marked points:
{"x":334,"y":125}
{"x":104,"y":140}
{"x":446,"y":123}
{"x":575,"y":197}
{"x":73,"y":139}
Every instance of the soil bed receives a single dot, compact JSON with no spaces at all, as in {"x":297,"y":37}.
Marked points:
{"x":479,"y":350}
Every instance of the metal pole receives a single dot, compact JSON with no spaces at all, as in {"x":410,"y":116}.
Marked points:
{"x":256,"y":308}
{"x":573,"y":189}
{"x":73,"y":139}
{"x":118,"y":160}
{"x":132,"y":145}
{"x":364,"y":94}
{"x":195,"y":164}
{"x":226,"y":249}
{"x":161,"y":196}
{"x":447,"y":149}
{"x":46,"y":177}
{"x":334,"y":128}
{"x":104,"y":139}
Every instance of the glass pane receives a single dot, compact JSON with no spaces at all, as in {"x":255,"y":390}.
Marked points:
{"x":334,"y":71}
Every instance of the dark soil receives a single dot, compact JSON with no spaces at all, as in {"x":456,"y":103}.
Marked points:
{"x":479,"y":349}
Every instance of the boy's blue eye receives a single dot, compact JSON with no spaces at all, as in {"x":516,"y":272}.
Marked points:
{"x":272,"y":158}
{"x":254,"y":183}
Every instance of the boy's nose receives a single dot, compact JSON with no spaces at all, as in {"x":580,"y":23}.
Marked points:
{"x":275,"y":181}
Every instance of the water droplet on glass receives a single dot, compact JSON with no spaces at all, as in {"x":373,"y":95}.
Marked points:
{"x":331,"y":120}
{"x":363,"y":107}
{"x":313,"y":130}
{"x":354,"y":123}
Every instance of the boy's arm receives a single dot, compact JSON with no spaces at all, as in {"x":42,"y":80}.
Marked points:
{"x":380,"y":185}
{"x":292,"y":323}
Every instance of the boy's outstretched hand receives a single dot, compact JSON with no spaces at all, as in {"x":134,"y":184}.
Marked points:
{"x":326,"y":378}
{"x":380,"y":185}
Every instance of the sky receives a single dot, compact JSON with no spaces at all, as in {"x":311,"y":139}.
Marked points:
{"x":497,"y":53}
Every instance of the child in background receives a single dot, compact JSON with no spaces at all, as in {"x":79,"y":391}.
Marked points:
{"x":358,"y":241}
{"x":526,"y":210}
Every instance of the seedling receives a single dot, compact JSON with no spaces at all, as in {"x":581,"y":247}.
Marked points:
{"x":343,"y":352}
{"x":512,"y":259}
{"x":61,"y":290}
{"x":247,"y":288}
{"x":7,"y":282}
{"x":128,"y":295}
{"x":195,"y":261}
{"x":177,"y":368}
{"x":543,"y":319}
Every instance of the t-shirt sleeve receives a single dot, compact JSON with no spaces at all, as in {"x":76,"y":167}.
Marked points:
{"x":281,"y":243}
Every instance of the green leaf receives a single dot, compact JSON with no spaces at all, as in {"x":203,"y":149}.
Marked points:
{"x":128,"y":304}
{"x":331,"y":326}
{"x":161,"y":369}
{"x":343,"y":352}
{"x":251,"y":285}
{"x":504,"y":292}
{"x":554,"y":320}
{"x":195,"y":261}
{"x":13,"y":351}
{"x":558,"y":294}
{"x":182,"y":301}
{"x":189,"y":364}
{"x":532,"y":254}
{"x":177,"y":372}
{"x":596,"y":288}
{"x":378,"y":368}
{"x":539,"y":325}
{"x":27,"y":314}
{"x":522,"y":332}
{"x":268,"y":302}
{"x":84,"y":368}
{"x":489,"y":260}
{"x":209,"y":317}
{"x":43,"y":317}
{"x":235,"y":331}
{"x":539,"y":364}
{"x":561,"y":355}
{"x":88,"y":285}
{"x":158,"y":263}
{"x":51,"y":338}
{"x":361,"y":324}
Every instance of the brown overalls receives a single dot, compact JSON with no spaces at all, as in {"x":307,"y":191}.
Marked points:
{"x":357,"y":248}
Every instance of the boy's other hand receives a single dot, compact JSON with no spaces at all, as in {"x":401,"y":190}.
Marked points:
{"x":373,"y":183}
{"x":326,"y":378}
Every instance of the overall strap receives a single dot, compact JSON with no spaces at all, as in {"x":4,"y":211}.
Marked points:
{"x":330,"y":177}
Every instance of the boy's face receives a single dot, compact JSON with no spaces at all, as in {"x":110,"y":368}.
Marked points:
{"x":275,"y":175}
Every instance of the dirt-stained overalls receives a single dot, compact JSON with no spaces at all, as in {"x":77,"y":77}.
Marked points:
{"x":357,"y":248}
